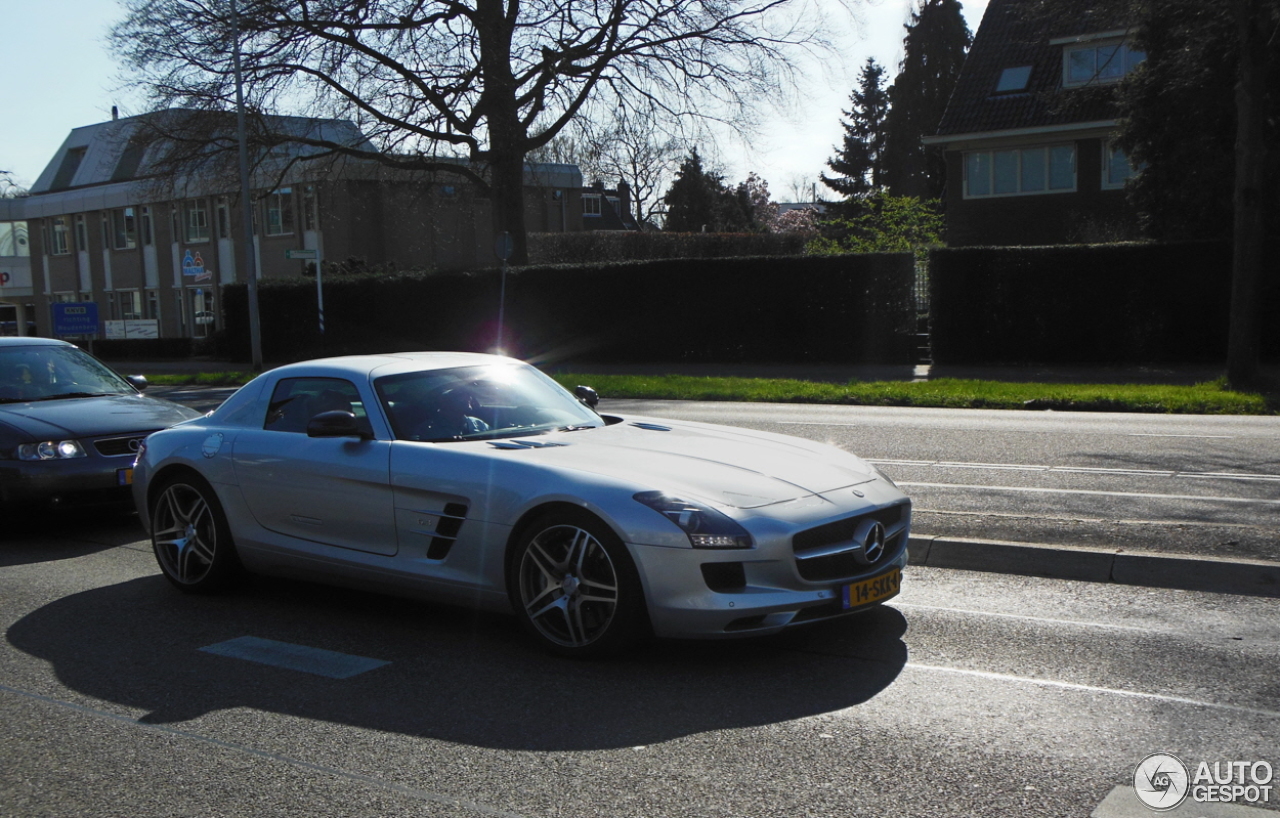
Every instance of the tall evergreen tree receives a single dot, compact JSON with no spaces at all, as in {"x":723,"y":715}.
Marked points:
{"x":859,"y":161}
{"x":933,"y":52}
{"x":691,"y":199}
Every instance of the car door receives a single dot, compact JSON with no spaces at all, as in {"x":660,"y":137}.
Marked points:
{"x":333,"y":491}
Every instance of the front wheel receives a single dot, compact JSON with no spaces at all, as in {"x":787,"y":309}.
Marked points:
{"x":574,"y":587}
{"x":191,"y":538}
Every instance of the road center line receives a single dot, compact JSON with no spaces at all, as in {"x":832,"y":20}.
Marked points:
{"x":1131,"y":694}
{"x":1093,"y":493}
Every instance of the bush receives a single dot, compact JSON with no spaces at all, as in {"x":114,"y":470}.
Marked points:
{"x":1090,"y":304}
{"x":854,"y":308}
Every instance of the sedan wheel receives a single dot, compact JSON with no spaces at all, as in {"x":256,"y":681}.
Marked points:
{"x":575,"y":588}
{"x":190,"y":537}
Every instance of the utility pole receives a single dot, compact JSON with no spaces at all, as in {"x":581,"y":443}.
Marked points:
{"x":246,"y":200}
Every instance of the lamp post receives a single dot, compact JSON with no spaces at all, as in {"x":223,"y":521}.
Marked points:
{"x":246,"y":203}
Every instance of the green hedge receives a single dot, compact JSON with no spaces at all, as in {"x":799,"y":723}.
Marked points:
{"x":617,"y":245}
{"x":845,"y":309}
{"x":1090,"y":304}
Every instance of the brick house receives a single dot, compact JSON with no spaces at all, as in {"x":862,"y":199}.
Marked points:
{"x":1027,"y":131}
{"x":153,"y":249}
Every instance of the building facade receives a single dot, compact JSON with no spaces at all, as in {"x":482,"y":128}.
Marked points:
{"x":153,"y":250}
{"x":1028,"y":131}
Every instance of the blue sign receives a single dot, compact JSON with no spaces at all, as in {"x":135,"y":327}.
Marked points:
{"x":75,"y":319}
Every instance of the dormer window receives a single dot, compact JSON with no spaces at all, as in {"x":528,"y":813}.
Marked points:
{"x":1098,"y":62}
{"x":1013,"y":80}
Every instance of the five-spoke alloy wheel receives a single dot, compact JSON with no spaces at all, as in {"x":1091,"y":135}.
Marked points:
{"x":190,"y":536}
{"x":574,"y":587}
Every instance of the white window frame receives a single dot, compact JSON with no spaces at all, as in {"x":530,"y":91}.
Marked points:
{"x":591,"y":204}
{"x":279,"y":205}
{"x":1109,"y":151}
{"x":1129,"y":59}
{"x":1046,"y":191}
{"x":195,"y":221}
{"x":58,"y":236}
{"x":124,"y":228}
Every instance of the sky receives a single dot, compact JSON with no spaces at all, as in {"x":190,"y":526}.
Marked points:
{"x":60,"y":75}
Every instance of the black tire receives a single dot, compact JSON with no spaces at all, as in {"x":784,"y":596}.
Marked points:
{"x":574,"y":587}
{"x":190,"y":536}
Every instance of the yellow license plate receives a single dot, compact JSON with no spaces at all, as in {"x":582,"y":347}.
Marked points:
{"x":869,"y":591}
{"x":124,"y":477}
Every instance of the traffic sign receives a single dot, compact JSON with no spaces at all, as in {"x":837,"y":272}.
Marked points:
{"x":75,"y":318}
{"x":307,"y":255}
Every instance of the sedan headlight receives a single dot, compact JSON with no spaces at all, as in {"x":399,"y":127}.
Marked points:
{"x":51,"y":450}
{"x":705,"y":526}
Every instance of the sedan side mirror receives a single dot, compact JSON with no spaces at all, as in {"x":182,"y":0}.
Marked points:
{"x":336,"y":423}
{"x":139,"y":381}
{"x":587,"y":395}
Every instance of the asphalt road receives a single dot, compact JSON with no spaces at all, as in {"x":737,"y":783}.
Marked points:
{"x":1177,"y":484}
{"x":969,"y":695}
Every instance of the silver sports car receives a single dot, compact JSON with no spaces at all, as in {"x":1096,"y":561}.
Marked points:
{"x":478,"y":480}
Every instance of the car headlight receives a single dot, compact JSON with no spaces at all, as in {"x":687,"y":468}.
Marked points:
{"x":51,"y":450}
{"x":705,"y":526}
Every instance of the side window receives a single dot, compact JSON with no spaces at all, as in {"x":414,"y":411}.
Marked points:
{"x":296,"y":400}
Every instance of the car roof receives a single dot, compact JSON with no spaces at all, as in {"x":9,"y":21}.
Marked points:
{"x":31,"y":341}
{"x":389,"y":363}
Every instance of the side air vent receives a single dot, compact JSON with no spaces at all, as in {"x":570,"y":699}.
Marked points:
{"x":447,"y":531}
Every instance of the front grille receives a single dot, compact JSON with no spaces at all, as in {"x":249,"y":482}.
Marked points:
{"x":844,"y":563}
{"x":120,"y":446}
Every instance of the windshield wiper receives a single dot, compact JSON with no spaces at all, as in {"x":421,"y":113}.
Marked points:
{"x":75,"y":395}
{"x":575,"y":428}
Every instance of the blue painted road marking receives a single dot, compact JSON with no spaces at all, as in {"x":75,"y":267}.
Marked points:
{"x":321,"y":662}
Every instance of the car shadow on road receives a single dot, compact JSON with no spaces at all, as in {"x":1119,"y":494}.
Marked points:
{"x":64,"y":535}
{"x":453,"y":675}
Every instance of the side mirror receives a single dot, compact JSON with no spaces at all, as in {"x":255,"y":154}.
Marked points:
{"x":139,"y":381}
{"x":587,"y":395}
{"x":335,"y":424}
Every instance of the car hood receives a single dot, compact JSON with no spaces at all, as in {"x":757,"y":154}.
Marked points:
{"x":92,"y":417}
{"x":738,"y":468}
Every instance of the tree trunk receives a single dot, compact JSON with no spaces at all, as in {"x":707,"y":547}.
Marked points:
{"x":1247,"y":257}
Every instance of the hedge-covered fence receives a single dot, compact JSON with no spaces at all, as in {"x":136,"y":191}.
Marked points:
{"x":830,"y":309}
{"x":594,"y":247}
{"x":1088,"y":304}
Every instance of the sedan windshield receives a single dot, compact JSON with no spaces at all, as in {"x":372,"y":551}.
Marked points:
{"x":39,"y":372}
{"x":479,"y":402}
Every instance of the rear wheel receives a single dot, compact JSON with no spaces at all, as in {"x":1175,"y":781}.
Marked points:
{"x":574,"y":587}
{"x":191,"y":538}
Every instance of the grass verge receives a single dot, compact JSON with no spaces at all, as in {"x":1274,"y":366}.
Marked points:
{"x":1207,"y":398}
{"x":1211,"y":398}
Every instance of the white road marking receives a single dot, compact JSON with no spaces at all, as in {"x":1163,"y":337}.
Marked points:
{"x":317,"y":661}
{"x":1040,"y":619}
{"x":1194,"y":437}
{"x":1092,"y":493}
{"x":1092,"y":470}
{"x":1132,"y":694}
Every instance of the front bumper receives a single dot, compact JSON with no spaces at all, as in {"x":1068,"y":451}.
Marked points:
{"x":704,"y":593}
{"x":79,"y":483}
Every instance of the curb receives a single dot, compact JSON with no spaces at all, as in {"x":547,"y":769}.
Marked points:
{"x":1223,"y":576}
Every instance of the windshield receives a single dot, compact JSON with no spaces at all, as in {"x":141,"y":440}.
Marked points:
{"x":479,"y":402}
{"x":31,"y":373}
